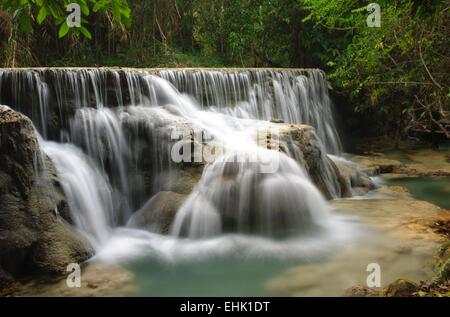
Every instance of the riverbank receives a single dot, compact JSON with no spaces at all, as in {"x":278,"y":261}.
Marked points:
{"x":406,"y":236}
{"x":97,"y":279}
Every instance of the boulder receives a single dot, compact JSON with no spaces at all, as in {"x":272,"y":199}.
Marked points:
{"x":150,"y":141}
{"x":158,"y":213}
{"x":7,"y":283}
{"x":184,"y":180}
{"x":377,"y":164}
{"x":34,"y":238}
{"x":360,"y":291}
{"x":400,"y":288}
{"x":302,"y":143}
{"x":356,"y":180}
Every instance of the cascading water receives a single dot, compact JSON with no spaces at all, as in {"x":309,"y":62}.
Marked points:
{"x":116,"y":127}
{"x":235,"y":196}
{"x":292,"y":96}
{"x":295,"y":96}
{"x":87,"y":190}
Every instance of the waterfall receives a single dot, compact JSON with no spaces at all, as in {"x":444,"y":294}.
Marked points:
{"x":99,"y":132}
{"x":235,"y":196}
{"x":294,"y":96}
{"x":88,"y":192}
{"x":109,"y":133}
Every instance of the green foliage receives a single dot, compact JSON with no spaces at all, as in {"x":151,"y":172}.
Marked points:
{"x":396,"y":75}
{"x":28,"y":11}
{"x":397,"y":70}
{"x":256,"y":33}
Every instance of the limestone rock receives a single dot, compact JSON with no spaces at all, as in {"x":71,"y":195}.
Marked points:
{"x":375,"y":165}
{"x":360,"y":291}
{"x":158,"y":213}
{"x":302,"y":143}
{"x":34,"y":239}
{"x":97,"y":279}
{"x":184,"y":180}
{"x":358,"y":181}
{"x":400,"y":288}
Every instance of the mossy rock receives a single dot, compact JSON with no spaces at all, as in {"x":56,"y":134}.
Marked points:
{"x":360,"y":291}
{"x":158,"y":213}
{"x":400,"y":288}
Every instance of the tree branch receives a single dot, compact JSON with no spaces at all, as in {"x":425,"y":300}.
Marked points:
{"x":425,"y":65}
{"x":430,"y":115}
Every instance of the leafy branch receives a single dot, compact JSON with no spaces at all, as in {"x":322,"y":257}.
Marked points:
{"x":26,"y":12}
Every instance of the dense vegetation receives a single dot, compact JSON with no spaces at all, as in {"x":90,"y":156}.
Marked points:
{"x":395,"y":76}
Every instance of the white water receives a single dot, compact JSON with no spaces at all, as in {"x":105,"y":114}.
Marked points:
{"x":235,"y":207}
{"x":295,"y":96}
{"x":87,"y":190}
{"x":292,"y":96}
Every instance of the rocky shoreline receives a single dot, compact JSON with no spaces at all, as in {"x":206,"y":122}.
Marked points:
{"x":413,"y":162}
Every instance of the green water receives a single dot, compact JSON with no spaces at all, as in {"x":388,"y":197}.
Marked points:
{"x":433,"y":189}
{"x":247,"y":275}
{"x":219,"y":277}
{"x":445,"y":145}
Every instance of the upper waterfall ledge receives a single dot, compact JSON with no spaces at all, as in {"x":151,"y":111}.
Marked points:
{"x":291,"y":95}
{"x":224,"y":69}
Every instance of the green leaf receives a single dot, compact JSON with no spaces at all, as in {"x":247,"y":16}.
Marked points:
{"x":115,"y":8}
{"x":85,"y":32}
{"x":55,"y":10}
{"x":361,"y":9}
{"x":25,"y":21}
{"x":84,"y":8}
{"x":43,"y":13}
{"x":63,"y":30}
{"x":59,"y":20}
{"x":126,"y":12}
{"x":127,"y":21}
{"x":98,"y":6}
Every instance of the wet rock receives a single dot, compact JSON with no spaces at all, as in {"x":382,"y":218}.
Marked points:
{"x":97,"y":279}
{"x":158,"y":213}
{"x":34,"y":239}
{"x":360,"y":291}
{"x":443,"y":272}
{"x":302,"y":143}
{"x":411,"y":160}
{"x":7,"y":283}
{"x":357,"y":181}
{"x":184,"y":181}
{"x":152,"y":144}
{"x":394,"y":175}
{"x":375,"y":165}
{"x":400,"y":288}
{"x":394,"y":191}
{"x":427,"y":162}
